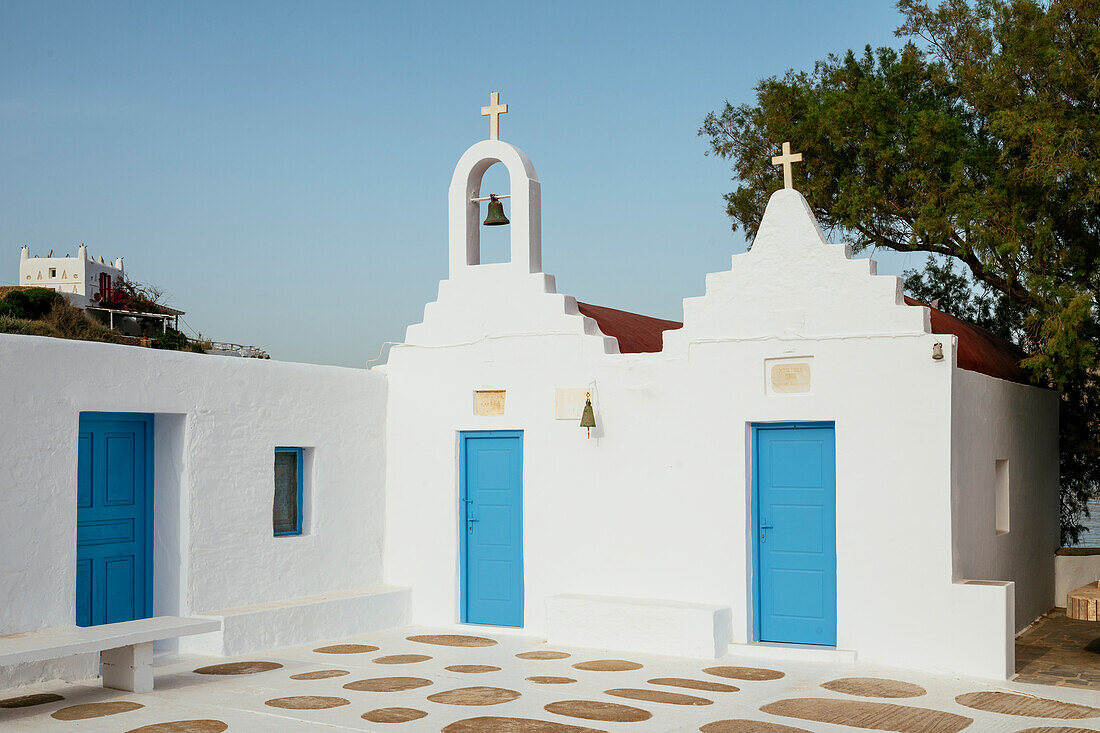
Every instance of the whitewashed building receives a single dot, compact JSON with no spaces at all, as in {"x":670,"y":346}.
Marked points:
{"x":80,"y":278}
{"x":810,"y":466}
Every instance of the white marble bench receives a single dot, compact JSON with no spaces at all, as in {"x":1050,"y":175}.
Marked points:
{"x":127,"y":646}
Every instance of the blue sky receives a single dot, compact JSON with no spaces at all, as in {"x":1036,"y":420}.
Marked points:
{"x":281,"y":169}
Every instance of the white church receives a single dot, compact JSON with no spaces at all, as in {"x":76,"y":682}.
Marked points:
{"x":810,"y":465}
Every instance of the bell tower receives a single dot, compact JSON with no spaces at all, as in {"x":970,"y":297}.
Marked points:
{"x":464,"y":208}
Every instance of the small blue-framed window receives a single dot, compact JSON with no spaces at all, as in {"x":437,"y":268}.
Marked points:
{"x":287,"y":508}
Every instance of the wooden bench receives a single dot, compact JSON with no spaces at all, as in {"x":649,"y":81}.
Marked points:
{"x":127,"y":647}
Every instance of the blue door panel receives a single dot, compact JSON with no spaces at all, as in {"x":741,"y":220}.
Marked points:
{"x":84,"y":592}
{"x":794,"y":475}
{"x":491,"y":466}
{"x":114,"y":518}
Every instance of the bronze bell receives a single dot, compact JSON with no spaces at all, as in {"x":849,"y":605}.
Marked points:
{"x":495,"y":216}
{"x":588,"y":417}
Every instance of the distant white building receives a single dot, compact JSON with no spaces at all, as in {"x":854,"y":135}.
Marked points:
{"x":80,"y":278}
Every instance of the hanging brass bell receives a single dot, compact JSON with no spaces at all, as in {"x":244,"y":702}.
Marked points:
{"x":495,"y":216}
{"x":588,"y":417}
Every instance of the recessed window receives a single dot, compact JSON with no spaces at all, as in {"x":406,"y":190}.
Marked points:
{"x":53,"y":272}
{"x":1001,"y":495}
{"x":287,"y":509}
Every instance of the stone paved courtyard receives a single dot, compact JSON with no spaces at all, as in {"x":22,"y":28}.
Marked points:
{"x":1060,"y":651}
{"x":482,"y":680}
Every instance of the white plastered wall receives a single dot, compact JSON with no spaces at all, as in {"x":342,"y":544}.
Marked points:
{"x":217,"y":421}
{"x":994,"y":420}
{"x":656,"y":504}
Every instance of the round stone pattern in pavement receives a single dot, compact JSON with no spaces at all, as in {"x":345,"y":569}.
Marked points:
{"x":183,"y":726}
{"x":752,"y":674}
{"x":387,"y":684}
{"x":452,"y":640}
{"x":320,"y":674}
{"x":593,"y":710}
{"x":474,"y":696}
{"x":874,"y":715}
{"x":543,"y":680}
{"x":671,"y":698}
{"x":27,"y":701}
{"x":543,"y":655}
{"x":393,"y":715}
{"x":874,"y":687}
{"x":1009,"y":703}
{"x":346,"y":649}
{"x":705,"y":685}
{"x":239,"y":668}
{"x":607,"y":665}
{"x":513,"y":725}
{"x":95,"y":710}
{"x":307,"y":702}
{"x":472,"y":668}
{"x":402,"y":659}
{"x":748,"y":726}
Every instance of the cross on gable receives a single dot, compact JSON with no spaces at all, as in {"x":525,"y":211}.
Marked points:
{"x":493,"y":112}
{"x":785,"y":160}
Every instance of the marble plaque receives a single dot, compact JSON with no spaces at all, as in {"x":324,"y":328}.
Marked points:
{"x":789,"y":377}
{"x":489,"y":402}
{"x":569,"y":403}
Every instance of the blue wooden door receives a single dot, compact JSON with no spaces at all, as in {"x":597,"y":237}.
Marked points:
{"x":491,"y":467}
{"x":114,"y":540}
{"x":794,"y":470}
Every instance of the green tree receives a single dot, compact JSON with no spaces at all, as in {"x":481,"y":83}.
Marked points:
{"x":977,"y":140}
{"x":30,"y":304}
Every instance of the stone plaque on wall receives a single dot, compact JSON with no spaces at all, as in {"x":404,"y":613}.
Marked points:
{"x":489,"y":402}
{"x":569,"y":403}
{"x":788,"y":376}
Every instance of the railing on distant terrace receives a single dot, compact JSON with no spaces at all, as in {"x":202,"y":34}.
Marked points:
{"x":248,"y":352}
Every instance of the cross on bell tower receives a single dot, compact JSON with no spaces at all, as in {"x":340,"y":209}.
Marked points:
{"x":493,"y":112}
{"x":785,"y":160}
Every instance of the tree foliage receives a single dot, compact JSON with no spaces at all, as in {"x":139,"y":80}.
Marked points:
{"x":29,"y":304}
{"x":978,"y":141}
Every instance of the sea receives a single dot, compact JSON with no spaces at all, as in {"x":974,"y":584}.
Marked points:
{"x":1092,"y":537}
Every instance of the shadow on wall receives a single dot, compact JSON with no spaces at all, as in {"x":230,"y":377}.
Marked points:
{"x":170,"y":530}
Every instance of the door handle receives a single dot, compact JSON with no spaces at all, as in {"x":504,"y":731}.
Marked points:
{"x":764,"y":531}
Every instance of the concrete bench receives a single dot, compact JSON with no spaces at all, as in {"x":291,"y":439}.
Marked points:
{"x":127,"y":647}
{"x":645,"y":625}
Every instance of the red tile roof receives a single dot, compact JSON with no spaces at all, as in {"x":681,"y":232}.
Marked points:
{"x":635,"y":333}
{"x":979,"y":350}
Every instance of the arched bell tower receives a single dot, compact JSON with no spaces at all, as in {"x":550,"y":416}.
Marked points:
{"x":497,"y":299}
{"x":464,"y":212}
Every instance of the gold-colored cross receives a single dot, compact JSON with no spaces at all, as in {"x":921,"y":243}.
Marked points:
{"x":493,"y":112}
{"x":784,"y":160}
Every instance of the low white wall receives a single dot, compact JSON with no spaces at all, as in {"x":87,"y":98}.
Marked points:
{"x":993,"y":420}
{"x":217,"y":421}
{"x":1073,"y":568}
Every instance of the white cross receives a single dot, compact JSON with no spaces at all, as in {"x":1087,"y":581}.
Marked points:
{"x":493,"y":112}
{"x":784,"y":160}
